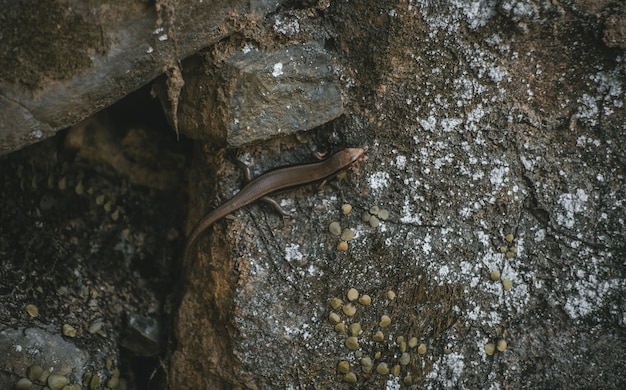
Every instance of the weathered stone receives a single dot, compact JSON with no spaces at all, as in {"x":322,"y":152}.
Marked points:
{"x":256,"y":95}
{"x":63,"y":61}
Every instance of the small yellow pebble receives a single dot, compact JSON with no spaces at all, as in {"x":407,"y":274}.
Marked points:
{"x":335,"y":228}
{"x":336,"y":303}
{"x":354,"y":329}
{"x":346,"y":208}
{"x":509,"y":254}
{"x":509,"y":237}
{"x":507,"y":284}
{"x":405,"y":359}
{"x":377,"y":355}
{"x":408,"y":379}
{"x":378,"y":336}
{"x":343,"y":367}
{"x":374,"y":222}
{"x":340,"y":328}
{"x":384,"y":321}
{"x":342,"y":246}
{"x":495,"y":275}
{"x":413,"y":342}
{"x":350,"y":377}
{"x":365,"y":300}
{"x":374,"y":210}
{"x":365,"y":217}
{"x":69,"y":330}
{"x":334,"y":318}
{"x":395,"y":370}
{"x":383,"y":214}
{"x":32,"y":310}
{"x":347,"y":234}
{"x":367,"y":362}
{"x":501,"y":345}
{"x":382,"y":369}
{"x":353,"y":294}
{"x":403,"y":346}
{"x":421,"y":349}
{"x":349,"y":309}
{"x":391,"y":295}
{"x":352,"y":343}
{"x":490,"y":349}
{"x":447,"y":351}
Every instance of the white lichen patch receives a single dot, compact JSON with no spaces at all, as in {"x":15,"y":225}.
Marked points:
{"x":571,"y":204}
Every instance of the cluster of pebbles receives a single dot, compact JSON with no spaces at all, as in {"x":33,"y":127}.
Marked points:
{"x":372,"y":351}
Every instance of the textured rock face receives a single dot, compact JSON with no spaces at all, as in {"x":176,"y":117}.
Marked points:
{"x":484,"y":246}
{"x":63,"y":61}
{"x":257,"y":94}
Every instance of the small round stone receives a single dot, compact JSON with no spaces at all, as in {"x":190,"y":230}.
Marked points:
{"x":336,"y":303}
{"x":377,"y":355}
{"x":399,"y":339}
{"x":57,"y":381}
{"x":383,"y":214}
{"x":354,"y":329}
{"x":405,"y":359}
{"x":347,"y":234}
{"x":335,"y":228}
{"x":501,"y":345}
{"x":69,"y":330}
{"x":495,"y":275}
{"x":346,"y":208}
{"x":402,"y":346}
{"x":503,"y":249}
{"x":365,"y":217}
{"x":32,"y":310}
{"x":382,"y":369}
{"x":507,"y":284}
{"x":374,"y":222}
{"x":114,"y":382}
{"x":408,"y":379}
{"x":349,"y":309}
{"x":395,"y":370}
{"x":340,"y":328}
{"x":334,"y":318}
{"x":366,"y":362}
{"x":34,"y":372}
{"x":352,"y":343}
{"x":391,"y":295}
{"x":509,"y":254}
{"x":421,"y":349}
{"x":352,"y":294}
{"x":94,"y":383}
{"x":509,"y":237}
{"x":413,"y":342}
{"x":490,"y":349}
{"x":365,"y":300}
{"x":378,"y":336}
{"x":95,"y":327}
{"x":343,"y":367}
{"x":350,"y":377}
{"x":342,"y":246}
{"x":374,"y":210}
{"x":384,"y":321}
{"x":23,"y":384}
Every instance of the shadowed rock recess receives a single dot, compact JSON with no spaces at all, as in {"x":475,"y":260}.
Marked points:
{"x":480,"y":243}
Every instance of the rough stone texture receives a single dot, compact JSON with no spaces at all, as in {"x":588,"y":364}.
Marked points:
{"x":257,"y":94}
{"x":483,"y":119}
{"x":63,"y":60}
{"x":22,"y":348}
{"x":496,"y":133}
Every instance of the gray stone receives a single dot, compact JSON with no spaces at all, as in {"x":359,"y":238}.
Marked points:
{"x":256,"y":95}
